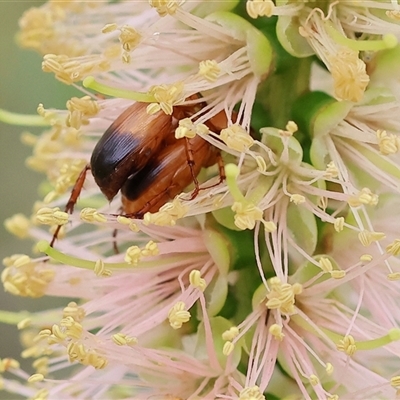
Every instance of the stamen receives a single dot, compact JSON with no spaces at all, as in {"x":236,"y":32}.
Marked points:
{"x":177,"y":316}
{"x":18,"y":225}
{"x":260,"y":8}
{"x":282,"y":296}
{"x":209,"y":70}
{"x":251,"y":393}
{"x":196,"y":280}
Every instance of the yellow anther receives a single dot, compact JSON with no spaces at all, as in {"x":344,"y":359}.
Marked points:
{"x":282,"y":296}
{"x":246,"y":215}
{"x":128,"y":221}
{"x":393,"y":14}
{"x":41,"y":365}
{"x":322,"y":202}
{"x":228,"y":348}
{"x":109,"y":28}
{"x":8,"y":363}
{"x":349,"y":75}
{"x":24,"y":323}
{"x":395,"y":381}
{"x":129,"y":37}
{"x":167,"y":96}
{"x":338,"y":274}
{"x":347,"y":345}
{"x":151,"y":249}
{"x":167,"y":215}
{"x":261,"y":164}
{"x":325,"y":264}
{"x":209,"y":70}
{"x":165,"y":7}
{"x":92,"y":215}
{"x":388,"y":144}
{"x":269,"y":226}
{"x":133,"y":255}
{"x":177,"y":316}
{"x":231,"y":333}
{"x":331,"y":171}
{"x":367,"y":197}
{"x":74,"y":311}
{"x":236,"y":138}
{"x":366,"y":258}
{"x":186,"y":129}
{"x":276,"y":331}
{"x":297,"y":199}
{"x":58,"y":334}
{"x":196,"y":280}
{"x":51,"y":216}
{"x":18,"y":225}
{"x":394,"y":248}
{"x":260,"y":8}
{"x":329,"y":368}
{"x":313,"y":379}
{"x":367,"y":237}
{"x":251,"y":393}
{"x":35,"y":378}
{"x":121,"y":339}
{"x":100,"y":270}
{"x":338,"y":224}
{"x":394,"y":276}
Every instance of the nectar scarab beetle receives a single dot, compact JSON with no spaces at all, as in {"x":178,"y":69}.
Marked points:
{"x":139,"y":156}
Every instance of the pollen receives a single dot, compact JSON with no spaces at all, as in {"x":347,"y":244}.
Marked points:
{"x":297,"y":199}
{"x":35,"y":378}
{"x":338,"y":224}
{"x":25,"y":323}
{"x":388,"y":144}
{"x":18,"y":225}
{"x":108,"y":28}
{"x":78,"y":352}
{"x":365,"y":196}
{"x":276,"y":331}
{"x":251,"y":393}
{"x":151,"y":249}
{"x":290,"y":129}
{"x":100,"y":270}
{"x":395,"y":381}
{"x":74,"y":311}
{"x":129,"y":37}
{"x":177,"y":316}
{"x":72,"y":328}
{"x":325,"y":264}
{"x":228,"y":348}
{"x":168,"y":214}
{"x":186,"y":129}
{"x":231,"y":333}
{"x":347,"y":345}
{"x":260,"y":8}
{"x":366,"y":258}
{"x":69,"y":70}
{"x":394,"y":276}
{"x":83,"y":107}
{"x":367,"y":237}
{"x":209,"y":70}
{"x":394,"y":248}
{"x":166,"y":97}
{"x":349,"y":75}
{"x":236,"y":138}
{"x":121,"y":339}
{"x":51,"y":216}
{"x":313,"y":379}
{"x":196,"y":280}
{"x":165,"y":7}
{"x":246,"y":214}
{"x":261,"y":164}
{"x":8,"y":363}
{"x":133,"y":255}
{"x":91,"y":215}
{"x":331,"y":171}
{"x":23,"y":277}
{"x":128,"y":221}
{"x":329,"y":368}
{"x":282,"y":296}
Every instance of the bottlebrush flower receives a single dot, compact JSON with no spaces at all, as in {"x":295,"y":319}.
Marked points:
{"x":279,"y":279}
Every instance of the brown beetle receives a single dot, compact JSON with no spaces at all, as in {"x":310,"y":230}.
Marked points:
{"x":139,"y":156}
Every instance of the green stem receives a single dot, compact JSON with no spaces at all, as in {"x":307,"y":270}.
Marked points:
{"x":11,"y":118}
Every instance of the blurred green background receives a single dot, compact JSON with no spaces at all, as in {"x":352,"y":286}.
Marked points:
{"x":23,"y":86}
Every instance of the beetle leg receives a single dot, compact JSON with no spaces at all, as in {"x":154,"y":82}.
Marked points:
{"x":190,"y":161}
{"x":222,"y":176}
{"x":73,"y":198}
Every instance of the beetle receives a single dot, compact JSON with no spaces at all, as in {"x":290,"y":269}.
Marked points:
{"x":140,"y":156}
